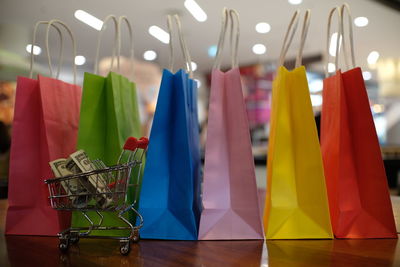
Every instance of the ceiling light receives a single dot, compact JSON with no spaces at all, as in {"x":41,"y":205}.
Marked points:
{"x":194,"y":66}
{"x":377,"y":108}
{"x":295,"y":2}
{"x":80,"y":60}
{"x":361,"y":21}
{"x":197,"y":12}
{"x":88,"y":19}
{"x":159,"y":34}
{"x":373,"y":57}
{"x":259,"y":49}
{"x":212,"y":51}
{"x":367,"y":75}
{"x":36,"y":49}
{"x":331,"y":67}
{"x":332,"y":46}
{"x":316,"y":86}
{"x":150,"y":55}
{"x":263,"y":27}
{"x":316,"y":100}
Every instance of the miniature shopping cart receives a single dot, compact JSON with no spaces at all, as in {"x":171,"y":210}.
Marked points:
{"x":102,"y":189}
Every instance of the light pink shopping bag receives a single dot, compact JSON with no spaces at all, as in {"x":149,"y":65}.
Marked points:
{"x":229,"y":191}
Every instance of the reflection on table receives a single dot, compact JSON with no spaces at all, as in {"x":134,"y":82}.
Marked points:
{"x":43,"y":251}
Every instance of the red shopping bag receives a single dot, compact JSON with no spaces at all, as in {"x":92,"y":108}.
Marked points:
{"x":44,"y":129}
{"x":357,"y":187}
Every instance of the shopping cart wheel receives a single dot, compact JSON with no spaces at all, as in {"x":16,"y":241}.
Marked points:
{"x":125,"y":247}
{"x":74,"y":238}
{"x":136,"y":236}
{"x":64,"y":245}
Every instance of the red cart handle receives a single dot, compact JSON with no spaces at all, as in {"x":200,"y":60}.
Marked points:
{"x":112,"y":185}
{"x":143,"y":142}
{"x":131,"y":144}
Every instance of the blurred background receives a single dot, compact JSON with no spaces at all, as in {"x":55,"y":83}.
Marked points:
{"x":263,"y":24}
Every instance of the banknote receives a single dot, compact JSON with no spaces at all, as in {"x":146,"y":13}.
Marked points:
{"x":71,"y":186}
{"x":79,"y":160}
{"x":59,"y":170}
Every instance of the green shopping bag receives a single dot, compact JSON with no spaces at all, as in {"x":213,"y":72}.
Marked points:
{"x":123,"y":121}
{"x":109,"y":115}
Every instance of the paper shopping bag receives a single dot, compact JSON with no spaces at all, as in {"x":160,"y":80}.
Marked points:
{"x":357,"y":187}
{"x":123,"y":118}
{"x":44,"y":129}
{"x":194,"y":144}
{"x":46,"y":112}
{"x":355,"y":174}
{"x":167,"y":194}
{"x":296,"y":204}
{"x":230,"y":192}
{"x":170,"y":198}
{"x":28,"y":204}
{"x":109,"y":115}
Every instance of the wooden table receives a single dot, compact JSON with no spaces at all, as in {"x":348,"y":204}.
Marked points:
{"x":43,"y":251}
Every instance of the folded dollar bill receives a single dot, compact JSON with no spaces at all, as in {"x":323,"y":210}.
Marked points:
{"x":72,"y":187}
{"x":79,"y":162}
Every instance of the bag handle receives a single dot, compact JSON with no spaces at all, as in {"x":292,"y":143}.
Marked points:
{"x":96,"y":62}
{"x":340,"y":38}
{"x":234,"y":15}
{"x":128,"y":24}
{"x":304,"y":32}
{"x":329,"y":37}
{"x":228,"y":18}
{"x":294,"y":22}
{"x":221,"y":40}
{"x":344,"y":7}
{"x":287,"y":41}
{"x":51,"y":22}
{"x":185,"y":50}
{"x":60,"y":54}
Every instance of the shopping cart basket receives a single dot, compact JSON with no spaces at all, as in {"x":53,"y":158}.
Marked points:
{"x":102,"y":189}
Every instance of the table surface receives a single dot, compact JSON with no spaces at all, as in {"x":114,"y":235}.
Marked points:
{"x":43,"y":251}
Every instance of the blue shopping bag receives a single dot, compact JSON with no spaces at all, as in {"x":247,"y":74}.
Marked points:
{"x":194,"y":133}
{"x":167,"y":197}
{"x":170,"y":197}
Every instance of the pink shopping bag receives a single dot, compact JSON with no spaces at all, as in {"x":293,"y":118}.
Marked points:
{"x":44,"y":129}
{"x":229,"y":192}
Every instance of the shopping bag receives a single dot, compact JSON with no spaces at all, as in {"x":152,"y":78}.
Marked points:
{"x":194,"y":144}
{"x":169,"y":203}
{"x":44,"y":129}
{"x":357,"y":187}
{"x":230,"y":192}
{"x":296,"y":204}
{"x":109,"y":115}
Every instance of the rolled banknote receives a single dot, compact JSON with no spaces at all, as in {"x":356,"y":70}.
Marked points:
{"x":79,"y":160}
{"x":71,"y":186}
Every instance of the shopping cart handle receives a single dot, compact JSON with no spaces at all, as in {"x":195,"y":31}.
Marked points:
{"x":131,"y":144}
{"x":143,"y":142}
{"x":111,"y":185}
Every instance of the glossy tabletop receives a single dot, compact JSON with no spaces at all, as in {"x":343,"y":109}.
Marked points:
{"x":43,"y":251}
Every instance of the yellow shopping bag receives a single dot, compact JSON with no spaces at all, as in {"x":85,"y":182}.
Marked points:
{"x":296,"y":205}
